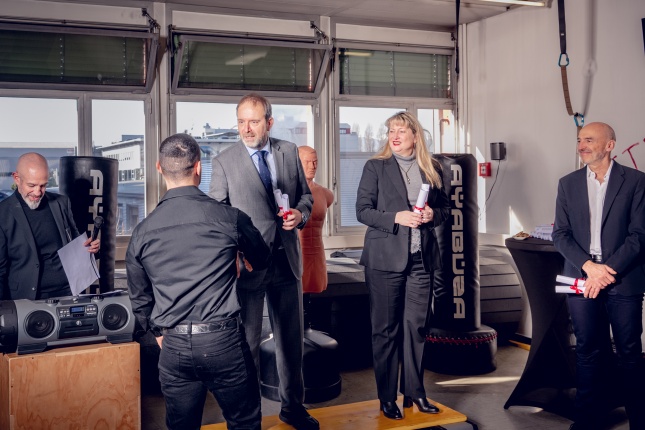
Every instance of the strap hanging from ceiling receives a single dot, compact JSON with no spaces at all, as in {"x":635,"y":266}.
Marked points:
{"x":563,"y":62}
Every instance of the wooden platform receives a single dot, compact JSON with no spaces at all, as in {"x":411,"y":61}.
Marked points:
{"x":365,"y":416}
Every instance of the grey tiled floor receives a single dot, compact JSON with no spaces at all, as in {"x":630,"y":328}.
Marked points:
{"x":481,"y":398}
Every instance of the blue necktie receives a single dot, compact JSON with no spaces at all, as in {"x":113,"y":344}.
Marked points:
{"x":265,"y":174}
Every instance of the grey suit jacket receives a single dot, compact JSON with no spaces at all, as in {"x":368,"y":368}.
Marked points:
{"x":235,"y":181}
{"x":622,"y":228}
{"x":19,"y":265}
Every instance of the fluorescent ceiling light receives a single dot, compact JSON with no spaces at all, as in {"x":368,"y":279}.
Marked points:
{"x":358,"y":54}
{"x":516,"y":2}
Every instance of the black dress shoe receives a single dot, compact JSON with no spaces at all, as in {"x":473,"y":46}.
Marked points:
{"x":391,"y":410}
{"x":422,"y":403}
{"x":300,"y":420}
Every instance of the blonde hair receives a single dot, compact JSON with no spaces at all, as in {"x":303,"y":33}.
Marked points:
{"x":429,"y":167}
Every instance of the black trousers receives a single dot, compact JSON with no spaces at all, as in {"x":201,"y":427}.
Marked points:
{"x":399,"y":306}
{"x":591,"y":320}
{"x":220,"y":362}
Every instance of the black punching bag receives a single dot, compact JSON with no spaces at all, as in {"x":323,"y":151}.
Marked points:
{"x":456,"y":341}
{"x":91,"y":184}
{"x":456,"y":290}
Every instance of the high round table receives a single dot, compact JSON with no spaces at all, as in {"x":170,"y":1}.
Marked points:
{"x":548,"y":380}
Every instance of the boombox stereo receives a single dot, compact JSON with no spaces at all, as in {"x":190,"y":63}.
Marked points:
{"x":28,"y":326}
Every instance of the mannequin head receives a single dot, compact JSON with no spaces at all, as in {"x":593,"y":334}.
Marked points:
{"x":309,"y":160}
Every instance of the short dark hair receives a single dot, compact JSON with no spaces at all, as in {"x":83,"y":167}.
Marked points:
{"x":177,"y":156}
{"x":255,"y":99}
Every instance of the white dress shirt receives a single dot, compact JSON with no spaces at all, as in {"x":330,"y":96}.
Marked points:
{"x":596,"y":192}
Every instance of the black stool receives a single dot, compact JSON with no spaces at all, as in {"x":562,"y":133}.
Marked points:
{"x":319,"y":368}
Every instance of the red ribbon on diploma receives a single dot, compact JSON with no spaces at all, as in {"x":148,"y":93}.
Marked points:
{"x":575,"y":288}
{"x":417,"y":208}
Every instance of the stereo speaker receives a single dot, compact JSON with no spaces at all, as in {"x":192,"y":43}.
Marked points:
{"x":497,"y":151}
{"x":29,"y":326}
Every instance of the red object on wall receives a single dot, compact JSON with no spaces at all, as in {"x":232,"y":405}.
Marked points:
{"x":484,"y":170}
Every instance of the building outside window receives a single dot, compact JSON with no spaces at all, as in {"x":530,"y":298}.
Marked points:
{"x":118,"y":132}
{"x":46,"y":126}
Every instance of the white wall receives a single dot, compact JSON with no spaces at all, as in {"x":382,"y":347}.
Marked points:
{"x":514,"y":94}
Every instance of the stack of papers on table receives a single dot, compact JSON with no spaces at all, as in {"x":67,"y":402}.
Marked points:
{"x":543,"y":231}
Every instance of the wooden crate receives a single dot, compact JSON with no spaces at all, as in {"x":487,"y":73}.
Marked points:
{"x":79,"y":387}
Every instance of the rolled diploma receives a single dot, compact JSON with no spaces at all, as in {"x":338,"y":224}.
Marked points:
{"x":577,"y":286}
{"x":421,"y":200}
{"x":286,"y":210}
{"x":278,"y":198}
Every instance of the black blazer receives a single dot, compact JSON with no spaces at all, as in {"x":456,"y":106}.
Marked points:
{"x":381,"y":194}
{"x":622,"y":229}
{"x":19,"y":265}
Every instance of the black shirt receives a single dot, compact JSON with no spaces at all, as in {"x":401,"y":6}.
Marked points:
{"x":181,"y":260}
{"x":52,"y":281}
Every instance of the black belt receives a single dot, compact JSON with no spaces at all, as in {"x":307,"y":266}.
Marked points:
{"x":198,"y":328}
{"x":596,"y":258}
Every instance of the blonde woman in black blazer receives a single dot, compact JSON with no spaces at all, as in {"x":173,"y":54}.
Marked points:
{"x":399,"y":256}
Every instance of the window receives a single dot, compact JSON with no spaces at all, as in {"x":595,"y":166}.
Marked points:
{"x":118,"y":132}
{"x":372,"y":85}
{"x":67,"y":57}
{"x":207,"y":64}
{"x":362,"y":133}
{"x":393,"y":73}
{"x":214,"y":126}
{"x":46,"y":126}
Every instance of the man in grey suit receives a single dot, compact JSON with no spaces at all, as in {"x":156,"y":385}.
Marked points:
{"x":245,"y":176}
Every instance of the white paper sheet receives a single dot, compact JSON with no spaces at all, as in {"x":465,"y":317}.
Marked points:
{"x":79,"y":265}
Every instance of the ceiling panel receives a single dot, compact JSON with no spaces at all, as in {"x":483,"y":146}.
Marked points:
{"x":414,"y":14}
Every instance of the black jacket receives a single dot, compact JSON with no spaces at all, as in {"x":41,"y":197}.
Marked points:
{"x":381,"y":194}
{"x":622,"y":229}
{"x":19,"y":265}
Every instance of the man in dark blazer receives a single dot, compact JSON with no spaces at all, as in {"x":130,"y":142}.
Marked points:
{"x":34,"y":225}
{"x":600,"y":230}
{"x":245,"y":176}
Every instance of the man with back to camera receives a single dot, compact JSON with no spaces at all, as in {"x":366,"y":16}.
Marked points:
{"x":600,"y":230}
{"x":34,"y":225}
{"x":244,"y":176}
{"x":181,"y":265}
